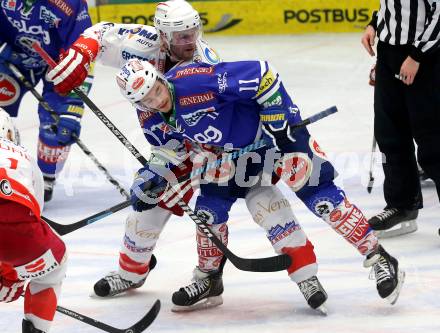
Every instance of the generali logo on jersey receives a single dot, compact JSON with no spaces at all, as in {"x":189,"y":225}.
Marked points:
{"x":196,"y":99}
{"x":194,"y":71}
{"x":63,"y":6}
{"x":9,"y":90}
{"x":144,"y":116}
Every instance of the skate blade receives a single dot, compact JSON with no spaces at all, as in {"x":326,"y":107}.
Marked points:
{"x":403,"y":228}
{"x":322,"y":310}
{"x":207,"y":303}
{"x":92,"y":294}
{"x":392,"y":298}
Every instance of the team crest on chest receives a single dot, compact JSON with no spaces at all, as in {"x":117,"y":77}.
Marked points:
{"x":9,"y":4}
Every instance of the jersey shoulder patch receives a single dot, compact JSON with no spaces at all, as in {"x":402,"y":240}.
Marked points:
{"x":206,"y":54}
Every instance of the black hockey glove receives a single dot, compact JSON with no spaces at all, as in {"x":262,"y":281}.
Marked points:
{"x":146,"y":190}
{"x":280,"y":136}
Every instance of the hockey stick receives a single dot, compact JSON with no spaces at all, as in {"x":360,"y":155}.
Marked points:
{"x":139,"y":327}
{"x":271,"y":264}
{"x":372,"y":161}
{"x":63,"y":229}
{"x":101,"y":116}
{"x":260,"y":143}
{"x":80,"y":144}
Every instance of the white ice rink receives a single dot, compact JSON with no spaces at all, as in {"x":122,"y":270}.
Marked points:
{"x":318,"y":71}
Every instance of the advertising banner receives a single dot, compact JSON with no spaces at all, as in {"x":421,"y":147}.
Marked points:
{"x":261,"y":16}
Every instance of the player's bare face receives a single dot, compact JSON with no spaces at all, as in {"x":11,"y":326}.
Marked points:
{"x":158,"y":98}
{"x":183,"y":44}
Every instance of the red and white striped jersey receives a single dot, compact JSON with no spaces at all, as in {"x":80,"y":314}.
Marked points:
{"x":20,"y":178}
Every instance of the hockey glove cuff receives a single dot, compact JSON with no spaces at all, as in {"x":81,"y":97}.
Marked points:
{"x":10,"y":290}
{"x":74,"y":64}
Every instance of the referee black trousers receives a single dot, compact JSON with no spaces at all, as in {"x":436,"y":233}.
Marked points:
{"x":404,"y":114}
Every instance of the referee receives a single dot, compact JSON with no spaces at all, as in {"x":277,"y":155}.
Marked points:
{"x":406,"y":104}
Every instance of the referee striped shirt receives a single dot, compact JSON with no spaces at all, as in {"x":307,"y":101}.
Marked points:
{"x":409,"y":22}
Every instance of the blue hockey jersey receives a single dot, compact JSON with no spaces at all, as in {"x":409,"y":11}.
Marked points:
{"x":55,"y":24}
{"x":220,"y":104}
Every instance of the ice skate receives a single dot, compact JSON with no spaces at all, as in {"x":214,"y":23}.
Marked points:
{"x":314,"y":294}
{"x":28,"y":327}
{"x":394,"y":222}
{"x":205,"y":292}
{"x":389,"y":278}
{"x":49,"y":183}
{"x":113,"y":284}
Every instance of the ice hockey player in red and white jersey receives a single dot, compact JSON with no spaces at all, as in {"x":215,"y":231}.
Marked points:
{"x":176,"y":39}
{"x":113,"y":44}
{"x":29,"y":249}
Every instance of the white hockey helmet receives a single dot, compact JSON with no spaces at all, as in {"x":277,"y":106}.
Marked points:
{"x":175,"y":16}
{"x":7,"y":128}
{"x":135,"y":79}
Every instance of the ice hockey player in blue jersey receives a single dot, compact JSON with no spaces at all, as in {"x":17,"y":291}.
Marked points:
{"x":176,"y":38}
{"x":56,"y":25}
{"x":233,"y":105}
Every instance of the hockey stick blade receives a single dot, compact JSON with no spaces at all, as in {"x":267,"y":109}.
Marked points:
{"x":269,"y":264}
{"x":139,"y":327}
{"x":263,"y":268}
{"x":370,"y":184}
{"x":372,"y":162}
{"x":63,"y":229}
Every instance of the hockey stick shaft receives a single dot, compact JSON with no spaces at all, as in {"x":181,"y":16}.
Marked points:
{"x":268,"y":264}
{"x":78,"y":141}
{"x":372,"y":161}
{"x":286,"y":261}
{"x":101,"y":116}
{"x":63,"y":229}
{"x":261,"y":143}
{"x":139,"y":327}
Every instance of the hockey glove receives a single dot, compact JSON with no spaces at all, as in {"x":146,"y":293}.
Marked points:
{"x":144,"y":193}
{"x":372,"y":80}
{"x":74,"y":64}
{"x":67,"y":129}
{"x":276,"y":127}
{"x":10,"y":290}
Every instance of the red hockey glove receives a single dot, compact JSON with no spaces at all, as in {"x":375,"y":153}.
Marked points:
{"x":10,"y":290}
{"x":72,"y":69}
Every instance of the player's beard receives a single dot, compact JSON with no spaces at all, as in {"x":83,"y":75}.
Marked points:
{"x":183,"y":52}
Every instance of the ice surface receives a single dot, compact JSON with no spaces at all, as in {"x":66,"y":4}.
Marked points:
{"x":319,"y":71}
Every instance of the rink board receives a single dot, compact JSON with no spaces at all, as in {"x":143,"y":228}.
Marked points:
{"x":259,"y":16}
